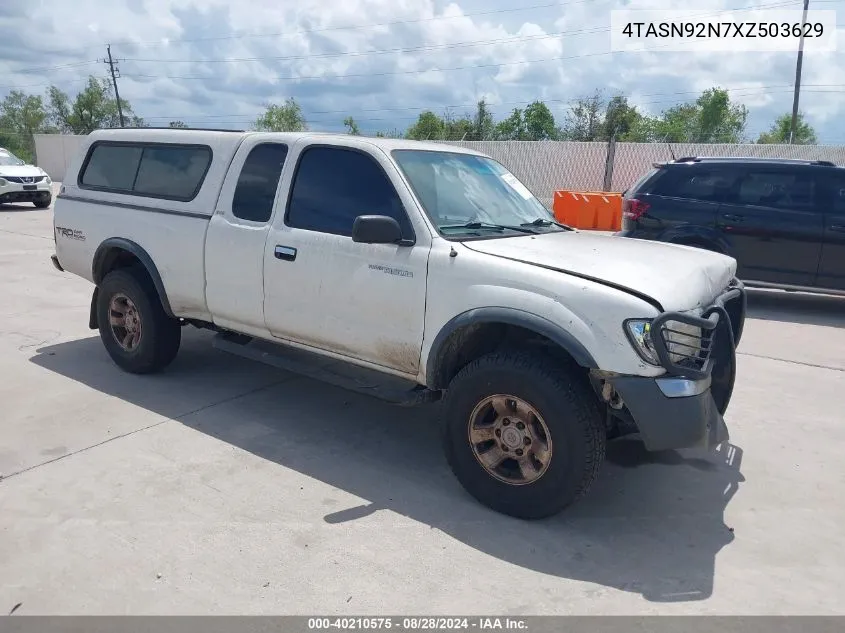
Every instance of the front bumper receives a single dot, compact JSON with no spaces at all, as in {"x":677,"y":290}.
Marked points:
{"x":25,"y":192}
{"x":672,"y":421}
{"x":684,"y":407}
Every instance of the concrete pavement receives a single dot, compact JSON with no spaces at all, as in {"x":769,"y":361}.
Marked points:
{"x":222,"y":486}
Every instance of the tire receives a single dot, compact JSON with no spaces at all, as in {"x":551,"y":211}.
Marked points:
{"x":43,"y":203}
{"x":569,"y":410}
{"x":159,"y":336}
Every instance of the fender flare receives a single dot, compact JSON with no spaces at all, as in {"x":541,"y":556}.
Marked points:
{"x":142,"y":255}
{"x":507,"y":316}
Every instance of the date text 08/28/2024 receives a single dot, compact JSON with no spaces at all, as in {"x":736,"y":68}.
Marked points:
{"x":416,"y":623}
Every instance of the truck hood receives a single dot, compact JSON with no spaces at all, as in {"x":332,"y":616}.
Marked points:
{"x":679,"y":278}
{"x":20,"y":170}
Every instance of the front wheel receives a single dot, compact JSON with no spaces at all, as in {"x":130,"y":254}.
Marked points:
{"x":42,"y":203}
{"x":136,"y":332}
{"x":523,"y":434}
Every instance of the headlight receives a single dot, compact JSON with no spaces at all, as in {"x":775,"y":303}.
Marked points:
{"x":47,"y":180}
{"x":639,"y":334}
{"x":683,"y":341}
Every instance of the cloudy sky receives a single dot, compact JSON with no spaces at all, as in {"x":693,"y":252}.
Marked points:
{"x":217,"y":62}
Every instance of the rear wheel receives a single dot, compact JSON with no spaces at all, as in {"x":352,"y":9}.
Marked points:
{"x":136,"y":332}
{"x":522,"y":434}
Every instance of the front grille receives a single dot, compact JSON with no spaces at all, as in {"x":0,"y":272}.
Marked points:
{"x":24,"y":180}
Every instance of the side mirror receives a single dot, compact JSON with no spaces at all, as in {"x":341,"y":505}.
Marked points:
{"x":376,"y":229}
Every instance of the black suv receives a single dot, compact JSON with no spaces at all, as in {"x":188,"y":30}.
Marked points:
{"x":782,"y":220}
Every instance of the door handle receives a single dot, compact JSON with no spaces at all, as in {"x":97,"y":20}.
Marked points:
{"x":733,"y":218}
{"x":285,"y":252}
{"x":839,"y":228}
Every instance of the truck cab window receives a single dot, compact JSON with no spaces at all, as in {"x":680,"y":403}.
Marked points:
{"x":333,"y":186}
{"x":255,"y":192}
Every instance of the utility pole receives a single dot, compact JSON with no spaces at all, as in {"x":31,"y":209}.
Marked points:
{"x":115,"y":73}
{"x":798,"y":75}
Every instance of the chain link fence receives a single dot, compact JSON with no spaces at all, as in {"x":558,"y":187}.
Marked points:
{"x":548,"y":166}
{"x":544,"y":166}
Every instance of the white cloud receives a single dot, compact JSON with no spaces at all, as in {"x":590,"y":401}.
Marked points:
{"x":175,"y":52}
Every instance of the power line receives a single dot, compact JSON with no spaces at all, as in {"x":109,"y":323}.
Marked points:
{"x":513,"y":39}
{"x":48,"y":83}
{"x":57,"y":67}
{"x":423,"y":48}
{"x":169,"y":41}
{"x":368,"y":25}
{"x":472,"y":105}
{"x":434,"y":18}
{"x":505,"y":40}
{"x":231,"y":118}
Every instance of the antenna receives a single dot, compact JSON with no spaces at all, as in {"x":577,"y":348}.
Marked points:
{"x":671,"y":151}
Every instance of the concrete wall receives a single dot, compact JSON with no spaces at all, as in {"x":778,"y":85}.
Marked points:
{"x":545,"y":166}
{"x":53,"y":152}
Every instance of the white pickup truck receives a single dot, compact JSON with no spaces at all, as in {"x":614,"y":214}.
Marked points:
{"x":428,"y":266}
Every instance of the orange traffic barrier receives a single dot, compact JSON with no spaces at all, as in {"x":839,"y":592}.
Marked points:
{"x":589,"y":210}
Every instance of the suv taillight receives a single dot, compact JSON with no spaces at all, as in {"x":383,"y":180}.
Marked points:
{"x":633,"y":209}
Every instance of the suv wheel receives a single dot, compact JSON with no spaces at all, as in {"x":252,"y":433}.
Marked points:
{"x":522,"y":434}
{"x":138,"y":335}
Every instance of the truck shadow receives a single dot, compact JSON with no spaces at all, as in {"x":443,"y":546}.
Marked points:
{"x":653,"y":524}
{"x":796,"y":307}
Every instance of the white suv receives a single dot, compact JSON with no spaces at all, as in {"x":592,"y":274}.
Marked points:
{"x":20,"y":182}
{"x":430,"y":267}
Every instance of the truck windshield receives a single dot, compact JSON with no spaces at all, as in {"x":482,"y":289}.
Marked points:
{"x":465,"y":194}
{"x":7,"y":159}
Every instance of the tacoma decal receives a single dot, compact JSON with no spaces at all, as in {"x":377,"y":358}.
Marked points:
{"x":392,"y":271}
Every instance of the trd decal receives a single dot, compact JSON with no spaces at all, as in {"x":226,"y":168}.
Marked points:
{"x":71,"y":234}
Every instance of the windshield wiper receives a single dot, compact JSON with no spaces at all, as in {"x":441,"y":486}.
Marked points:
{"x":544,"y":222}
{"x":488,"y":225}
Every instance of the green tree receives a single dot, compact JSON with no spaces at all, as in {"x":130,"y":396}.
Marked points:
{"x":539,"y":122}
{"x":511,"y":128}
{"x":621,"y":121}
{"x":719,"y":120}
{"x":428,"y":127}
{"x":457,"y":128}
{"x":351,"y":126}
{"x":394,"y":133}
{"x":585,"y":119}
{"x":779,"y":132}
{"x":178,"y":124}
{"x":93,"y":108}
{"x":21,"y":116}
{"x":483,"y":125}
{"x":287,"y":117}
{"x":712,"y":118}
